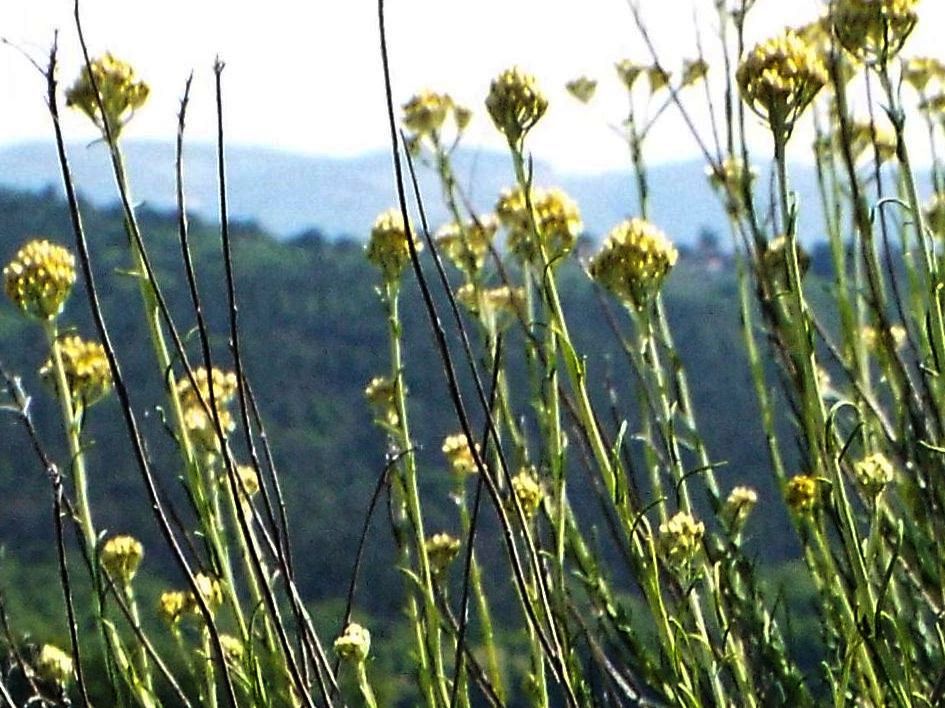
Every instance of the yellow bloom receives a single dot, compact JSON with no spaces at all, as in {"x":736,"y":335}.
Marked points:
{"x":658,"y":78}
{"x":425,"y":113}
{"x":467,"y":245}
{"x":556,"y":217}
{"x":248,"y":481}
{"x":86,"y":367}
{"x":381,"y":393}
{"x":54,"y":665}
{"x":515,"y":103}
{"x":582,"y":88}
{"x":458,"y":454}
{"x":873,"y":30}
{"x":491,"y":302}
{"x":779,"y":78}
{"x":728,"y":180}
{"x":121,"y":556}
{"x":232,"y":648}
{"x":40,"y":278}
{"x":629,"y":72}
{"x":874,"y":472}
{"x":354,"y":644}
{"x":211,"y":590}
{"x":633,"y":261}
{"x":441,"y":549}
{"x":871,"y":141}
{"x":694,"y":70}
{"x":528,"y":491}
{"x":200,"y":423}
{"x":680,"y":538}
{"x":120,"y":91}
{"x":919,"y":71}
{"x":741,"y":500}
{"x":388,"y":248}
{"x":801,"y":493}
{"x":171,"y":605}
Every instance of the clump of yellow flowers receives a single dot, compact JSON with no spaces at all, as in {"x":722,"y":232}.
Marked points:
{"x":354,"y":644}
{"x":40,"y":278}
{"x":467,"y":245}
{"x":874,"y":472}
{"x":555,"y":216}
{"x":54,"y":665}
{"x":388,"y":248}
{"x":441,"y":549}
{"x":633,"y":261}
{"x":457,"y":452}
{"x":779,"y":78}
{"x":515,"y":103}
{"x":86,"y":367}
{"x":801,"y":493}
{"x":121,"y":556}
{"x":528,"y":491}
{"x":873,"y":30}
{"x":121,"y":93}
{"x":196,"y":402}
{"x":680,"y":537}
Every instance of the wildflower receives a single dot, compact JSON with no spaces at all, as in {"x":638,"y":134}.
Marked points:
{"x":120,"y":91}
{"x":54,"y":665}
{"x":633,"y":261}
{"x":741,"y":500}
{"x":425,"y":113}
{"x":582,"y":88}
{"x":515,"y":103}
{"x":121,"y":556}
{"x":467,"y":245}
{"x":40,"y":278}
{"x":199,"y":421}
{"x":528,"y":491}
{"x":388,"y":248}
{"x":490,"y":302}
{"x":680,"y":537}
{"x":88,"y":373}
{"x":873,"y":141}
{"x":727,"y":179}
{"x":658,"y":77}
{"x":458,"y":454}
{"x":441,"y":549}
{"x":871,"y":336}
{"x":874,"y":472}
{"x":232,"y":648}
{"x":557,"y":220}
{"x":354,"y":644}
{"x":381,"y":393}
{"x":629,"y":72}
{"x":211,"y":590}
{"x":873,"y":30}
{"x":694,"y":70}
{"x":779,"y":78}
{"x":933,"y":105}
{"x":462,"y":116}
{"x":801,"y":493}
{"x":248,"y":481}
{"x":919,"y":71}
{"x":171,"y":605}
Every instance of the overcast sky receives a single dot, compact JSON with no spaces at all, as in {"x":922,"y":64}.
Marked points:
{"x":305,"y":76}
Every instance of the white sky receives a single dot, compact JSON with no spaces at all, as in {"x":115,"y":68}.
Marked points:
{"x":305,"y":76}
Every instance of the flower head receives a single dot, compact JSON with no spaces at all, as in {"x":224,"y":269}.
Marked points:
{"x":693,"y":71}
{"x":658,"y":77}
{"x":171,"y":605}
{"x":582,"y":88}
{"x":629,"y":71}
{"x":515,"y":103}
{"x":779,"y":78}
{"x":467,"y":245}
{"x":633,"y":261}
{"x":680,"y":538}
{"x":802,"y":493}
{"x":88,"y":373}
{"x":232,"y":648}
{"x":425,"y":113}
{"x":121,"y":556}
{"x":40,"y":278}
{"x":388,"y":248}
{"x":728,"y":180}
{"x":919,"y":71}
{"x":210,"y":589}
{"x":528,"y":491}
{"x":555,"y":216}
{"x":458,"y":454}
{"x":873,"y":30}
{"x":199,"y":417}
{"x":874,"y":472}
{"x":354,"y":644}
{"x":381,"y":393}
{"x":54,"y":665}
{"x":441,"y":549}
{"x":120,"y":90}
{"x":248,"y":481}
{"x":741,"y":500}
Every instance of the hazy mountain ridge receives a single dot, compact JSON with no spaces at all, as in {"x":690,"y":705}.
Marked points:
{"x":288,"y":193}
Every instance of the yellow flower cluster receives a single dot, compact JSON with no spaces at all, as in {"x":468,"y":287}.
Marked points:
{"x":874,"y":472}
{"x":458,"y":454}
{"x":40,"y":278}
{"x":200,"y":424}
{"x":121,"y":556}
{"x":441,"y":549}
{"x":880,"y":143}
{"x":491,"y":302}
{"x":528,"y":491}
{"x":54,"y":665}
{"x":515,"y":103}
{"x":779,"y":78}
{"x":120,"y":90}
{"x":871,"y":336}
{"x":918,"y":72}
{"x":354,"y":644}
{"x":381,"y":393}
{"x":658,"y":77}
{"x":801,"y":493}
{"x":680,"y":538}
{"x":425,"y":114}
{"x":556,"y":217}
{"x":248,"y":481}
{"x":629,"y":71}
{"x":388,"y":248}
{"x":582,"y":88}
{"x":232,"y":648}
{"x":174,"y":604}
{"x":873,"y":30}
{"x":467,"y":245}
{"x":86,"y":367}
{"x":741,"y":500}
{"x":633,"y":261}
{"x":693,"y":71}
{"x":727,"y":179}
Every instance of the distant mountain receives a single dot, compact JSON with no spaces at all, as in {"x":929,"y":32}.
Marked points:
{"x":289,"y":193}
